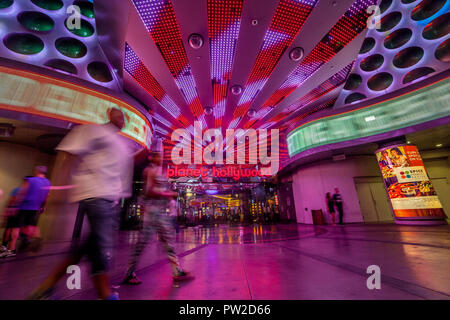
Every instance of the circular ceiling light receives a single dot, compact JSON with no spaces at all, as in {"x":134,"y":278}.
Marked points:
{"x":208,"y":110}
{"x":296,"y":54}
{"x":251,"y":113}
{"x":195,"y":41}
{"x":236,"y":89}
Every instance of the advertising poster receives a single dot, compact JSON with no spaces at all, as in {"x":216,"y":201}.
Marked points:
{"x":407,"y":183}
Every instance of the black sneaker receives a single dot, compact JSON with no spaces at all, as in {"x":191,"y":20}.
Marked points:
{"x":132,"y":279}
{"x":8,"y":254}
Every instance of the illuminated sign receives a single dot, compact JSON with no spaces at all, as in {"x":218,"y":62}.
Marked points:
{"x":37,"y":94}
{"x":407,"y":183}
{"x":426,"y":104}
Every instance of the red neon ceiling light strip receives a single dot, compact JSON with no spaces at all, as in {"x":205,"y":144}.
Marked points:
{"x":289,"y":18}
{"x":134,"y":66}
{"x":159,"y":18}
{"x":352,"y":23}
{"x":224,"y":21}
{"x":330,"y":84}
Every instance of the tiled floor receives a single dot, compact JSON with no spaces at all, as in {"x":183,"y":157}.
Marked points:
{"x":266,"y":262}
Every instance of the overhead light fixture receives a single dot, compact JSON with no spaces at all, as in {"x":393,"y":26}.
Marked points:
{"x":236,"y":89}
{"x":439,"y":145}
{"x":370,"y":118}
{"x":251,"y":113}
{"x":195,"y":41}
{"x":408,"y":142}
{"x":296,"y":54}
{"x":208,"y":110}
{"x":254,"y":22}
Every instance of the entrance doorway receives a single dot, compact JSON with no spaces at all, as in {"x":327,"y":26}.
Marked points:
{"x":373,"y":200}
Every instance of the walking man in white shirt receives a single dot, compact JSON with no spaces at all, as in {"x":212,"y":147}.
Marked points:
{"x":102,"y":176}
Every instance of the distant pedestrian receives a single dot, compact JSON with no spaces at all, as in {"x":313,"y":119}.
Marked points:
{"x":11,"y":224}
{"x":330,"y":205}
{"x":337,"y":198}
{"x":155,"y":198}
{"x":173,"y":213}
{"x":29,"y":204}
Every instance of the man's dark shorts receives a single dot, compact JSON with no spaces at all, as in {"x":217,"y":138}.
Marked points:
{"x":27,"y":218}
{"x":13,"y":222}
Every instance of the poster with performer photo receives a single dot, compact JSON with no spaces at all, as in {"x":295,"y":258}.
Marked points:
{"x":407,"y":183}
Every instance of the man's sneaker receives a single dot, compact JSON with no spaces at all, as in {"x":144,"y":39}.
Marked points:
{"x":131,"y":279}
{"x":3,"y":249}
{"x":183,"y":276}
{"x":8,"y":254}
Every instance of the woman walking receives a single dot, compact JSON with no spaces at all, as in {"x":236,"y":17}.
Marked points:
{"x":330,"y":204}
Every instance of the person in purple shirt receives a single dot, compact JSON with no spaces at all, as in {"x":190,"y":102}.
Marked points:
{"x":30,"y":203}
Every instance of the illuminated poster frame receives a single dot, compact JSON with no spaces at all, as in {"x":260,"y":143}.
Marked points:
{"x":425,"y":104}
{"x":408,"y":185}
{"x":41,"y":95}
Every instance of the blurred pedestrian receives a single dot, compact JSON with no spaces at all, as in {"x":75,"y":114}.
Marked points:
{"x":337,"y":198}
{"x":11,"y":222}
{"x":173,"y":214}
{"x":155,"y":198}
{"x":29,"y":204}
{"x":330,"y":205}
{"x":102,"y":176}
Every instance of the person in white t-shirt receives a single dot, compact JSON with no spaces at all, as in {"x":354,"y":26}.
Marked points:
{"x":103,"y":175}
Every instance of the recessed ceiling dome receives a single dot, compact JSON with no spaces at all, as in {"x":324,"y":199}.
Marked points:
{"x":36,"y":21}
{"x":442,"y":52}
{"x":71,"y":47}
{"x":23,"y":43}
{"x":437,"y":28}
{"x":380,"y":81}
{"x":86,"y":8}
{"x":49,"y":4}
{"x":5,"y":3}
{"x":63,"y":65}
{"x":372,"y":62}
{"x":397,"y":38}
{"x":426,"y":9}
{"x":367,"y":45}
{"x":85,"y":30}
{"x":389,"y":21}
{"x":417,"y":73}
{"x":99,"y":71}
{"x":408,"y":57}
{"x":384,"y":5}
{"x":353,"y":82}
{"x":356,"y":96}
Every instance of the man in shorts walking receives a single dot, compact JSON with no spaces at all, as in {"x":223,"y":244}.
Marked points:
{"x":30,"y":203}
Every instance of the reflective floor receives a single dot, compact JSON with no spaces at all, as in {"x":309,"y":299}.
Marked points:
{"x":264,"y":262}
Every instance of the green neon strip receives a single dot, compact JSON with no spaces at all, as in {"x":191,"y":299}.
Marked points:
{"x":426,"y":104}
